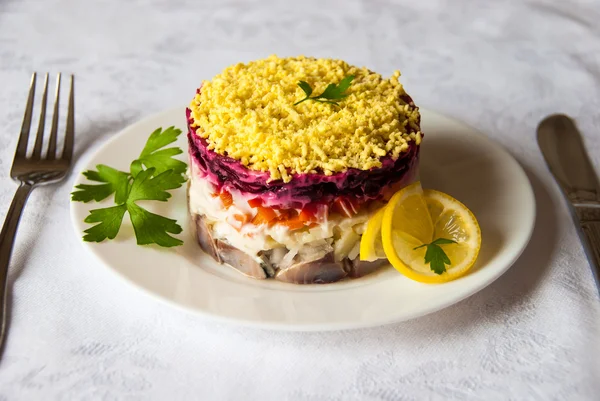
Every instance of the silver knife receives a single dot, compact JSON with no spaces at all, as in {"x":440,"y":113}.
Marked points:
{"x":562,"y":147}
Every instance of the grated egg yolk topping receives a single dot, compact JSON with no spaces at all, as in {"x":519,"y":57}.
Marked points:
{"x":247,"y":113}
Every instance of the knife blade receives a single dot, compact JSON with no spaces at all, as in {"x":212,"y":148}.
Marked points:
{"x":563,"y":149}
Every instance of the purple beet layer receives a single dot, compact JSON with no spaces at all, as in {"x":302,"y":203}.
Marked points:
{"x":362,"y":185}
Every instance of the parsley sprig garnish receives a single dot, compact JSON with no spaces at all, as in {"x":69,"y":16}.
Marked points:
{"x":151,"y":175}
{"x":435,"y":255}
{"x":331,"y":94}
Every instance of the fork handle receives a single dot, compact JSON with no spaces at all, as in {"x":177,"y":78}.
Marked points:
{"x":7,"y":239}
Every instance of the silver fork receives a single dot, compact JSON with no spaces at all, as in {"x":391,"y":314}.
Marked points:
{"x":31,"y":171}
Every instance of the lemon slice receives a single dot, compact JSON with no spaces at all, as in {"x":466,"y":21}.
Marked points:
{"x":414,"y":218}
{"x":371,"y":247}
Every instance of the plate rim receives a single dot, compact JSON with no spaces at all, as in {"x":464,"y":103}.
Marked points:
{"x":287,"y":326}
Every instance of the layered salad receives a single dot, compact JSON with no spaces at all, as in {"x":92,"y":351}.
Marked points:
{"x":290,"y":158}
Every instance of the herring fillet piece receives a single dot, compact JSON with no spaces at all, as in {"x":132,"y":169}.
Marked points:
{"x":324,"y":270}
{"x":319,"y":271}
{"x":240,"y":260}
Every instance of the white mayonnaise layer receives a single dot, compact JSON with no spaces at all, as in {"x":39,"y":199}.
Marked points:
{"x":251,"y":238}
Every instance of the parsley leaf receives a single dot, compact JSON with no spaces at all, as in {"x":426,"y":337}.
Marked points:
{"x":331,"y":94}
{"x":115,"y":182}
{"x":161,"y":160}
{"x":152,"y":176}
{"x":110,"y":219}
{"x":334,"y":91}
{"x":151,"y":228}
{"x":147,"y":186}
{"x":437,"y":258}
{"x":306,"y":88}
{"x":435,"y":255}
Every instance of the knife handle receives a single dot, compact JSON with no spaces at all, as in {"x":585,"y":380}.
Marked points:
{"x":591,"y":243}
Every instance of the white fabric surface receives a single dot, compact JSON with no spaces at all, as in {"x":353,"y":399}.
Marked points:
{"x":78,"y":333}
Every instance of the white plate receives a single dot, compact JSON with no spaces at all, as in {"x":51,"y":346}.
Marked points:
{"x":456,"y":159}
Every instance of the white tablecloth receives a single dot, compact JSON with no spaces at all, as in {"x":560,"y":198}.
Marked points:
{"x":78,"y":333}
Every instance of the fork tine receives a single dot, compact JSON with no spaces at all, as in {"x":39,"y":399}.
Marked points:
{"x":24,"y":136}
{"x":37,"y":150}
{"x":70,"y":130}
{"x":53,"y":132}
